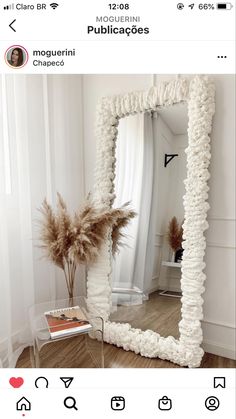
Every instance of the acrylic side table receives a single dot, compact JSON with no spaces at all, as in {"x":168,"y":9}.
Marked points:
{"x":41,"y":336}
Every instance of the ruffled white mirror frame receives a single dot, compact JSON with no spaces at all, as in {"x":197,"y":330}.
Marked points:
{"x":199,"y":93}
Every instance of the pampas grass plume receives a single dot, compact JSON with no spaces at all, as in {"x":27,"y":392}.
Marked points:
{"x":69,"y":241}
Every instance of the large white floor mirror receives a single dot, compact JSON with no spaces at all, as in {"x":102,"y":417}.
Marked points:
{"x":153,"y":149}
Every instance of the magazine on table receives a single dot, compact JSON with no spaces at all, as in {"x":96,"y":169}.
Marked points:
{"x":66,"y":321}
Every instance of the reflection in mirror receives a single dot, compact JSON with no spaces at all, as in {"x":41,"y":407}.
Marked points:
{"x":146,"y":273}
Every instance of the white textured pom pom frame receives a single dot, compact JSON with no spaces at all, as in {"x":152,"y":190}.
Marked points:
{"x":199,"y":93}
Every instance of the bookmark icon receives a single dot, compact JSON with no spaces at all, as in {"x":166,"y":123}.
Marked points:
{"x":67,"y":381}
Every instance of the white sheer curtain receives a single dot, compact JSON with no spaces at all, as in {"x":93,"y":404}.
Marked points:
{"x":134,"y":182}
{"x":40,"y":153}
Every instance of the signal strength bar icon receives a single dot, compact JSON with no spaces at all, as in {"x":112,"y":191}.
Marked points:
{"x":54,"y":5}
{"x":9,"y":7}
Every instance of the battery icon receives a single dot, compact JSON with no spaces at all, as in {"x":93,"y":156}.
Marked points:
{"x":224,"y":6}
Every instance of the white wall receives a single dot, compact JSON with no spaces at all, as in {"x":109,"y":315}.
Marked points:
{"x":162,"y":194}
{"x":169,"y":189}
{"x":219,"y":319}
{"x":162,"y":144}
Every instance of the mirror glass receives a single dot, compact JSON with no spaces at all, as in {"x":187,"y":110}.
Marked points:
{"x":150,"y":172}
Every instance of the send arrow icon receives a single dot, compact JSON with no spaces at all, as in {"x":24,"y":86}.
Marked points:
{"x":67,"y":381}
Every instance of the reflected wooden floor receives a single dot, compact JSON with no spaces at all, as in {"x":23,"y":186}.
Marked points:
{"x":159,"y":313}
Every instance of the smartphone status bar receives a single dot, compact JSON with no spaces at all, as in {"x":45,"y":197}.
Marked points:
{"x":128,"y":20}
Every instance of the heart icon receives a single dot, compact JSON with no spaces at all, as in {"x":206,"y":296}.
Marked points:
{"x":16,"y":382}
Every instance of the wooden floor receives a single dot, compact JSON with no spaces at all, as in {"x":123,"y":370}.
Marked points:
{"x":159,"y":313}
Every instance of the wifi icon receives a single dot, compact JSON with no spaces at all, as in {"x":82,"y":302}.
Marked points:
{"x":54,"y":5}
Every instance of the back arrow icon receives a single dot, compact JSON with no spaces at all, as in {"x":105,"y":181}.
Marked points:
{"x":12,"y":26}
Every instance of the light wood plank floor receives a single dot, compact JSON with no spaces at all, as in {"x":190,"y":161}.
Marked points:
{"x":159,"y":313}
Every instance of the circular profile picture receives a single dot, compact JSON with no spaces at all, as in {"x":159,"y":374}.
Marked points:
{"x":16,"y":56}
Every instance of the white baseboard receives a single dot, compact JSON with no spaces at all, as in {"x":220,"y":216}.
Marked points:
{"x":219,"y":338}
{"x":215,"y":349}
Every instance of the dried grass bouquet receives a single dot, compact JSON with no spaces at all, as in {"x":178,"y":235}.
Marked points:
{"x":72,"y":240}
{"x":175,"y":234}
